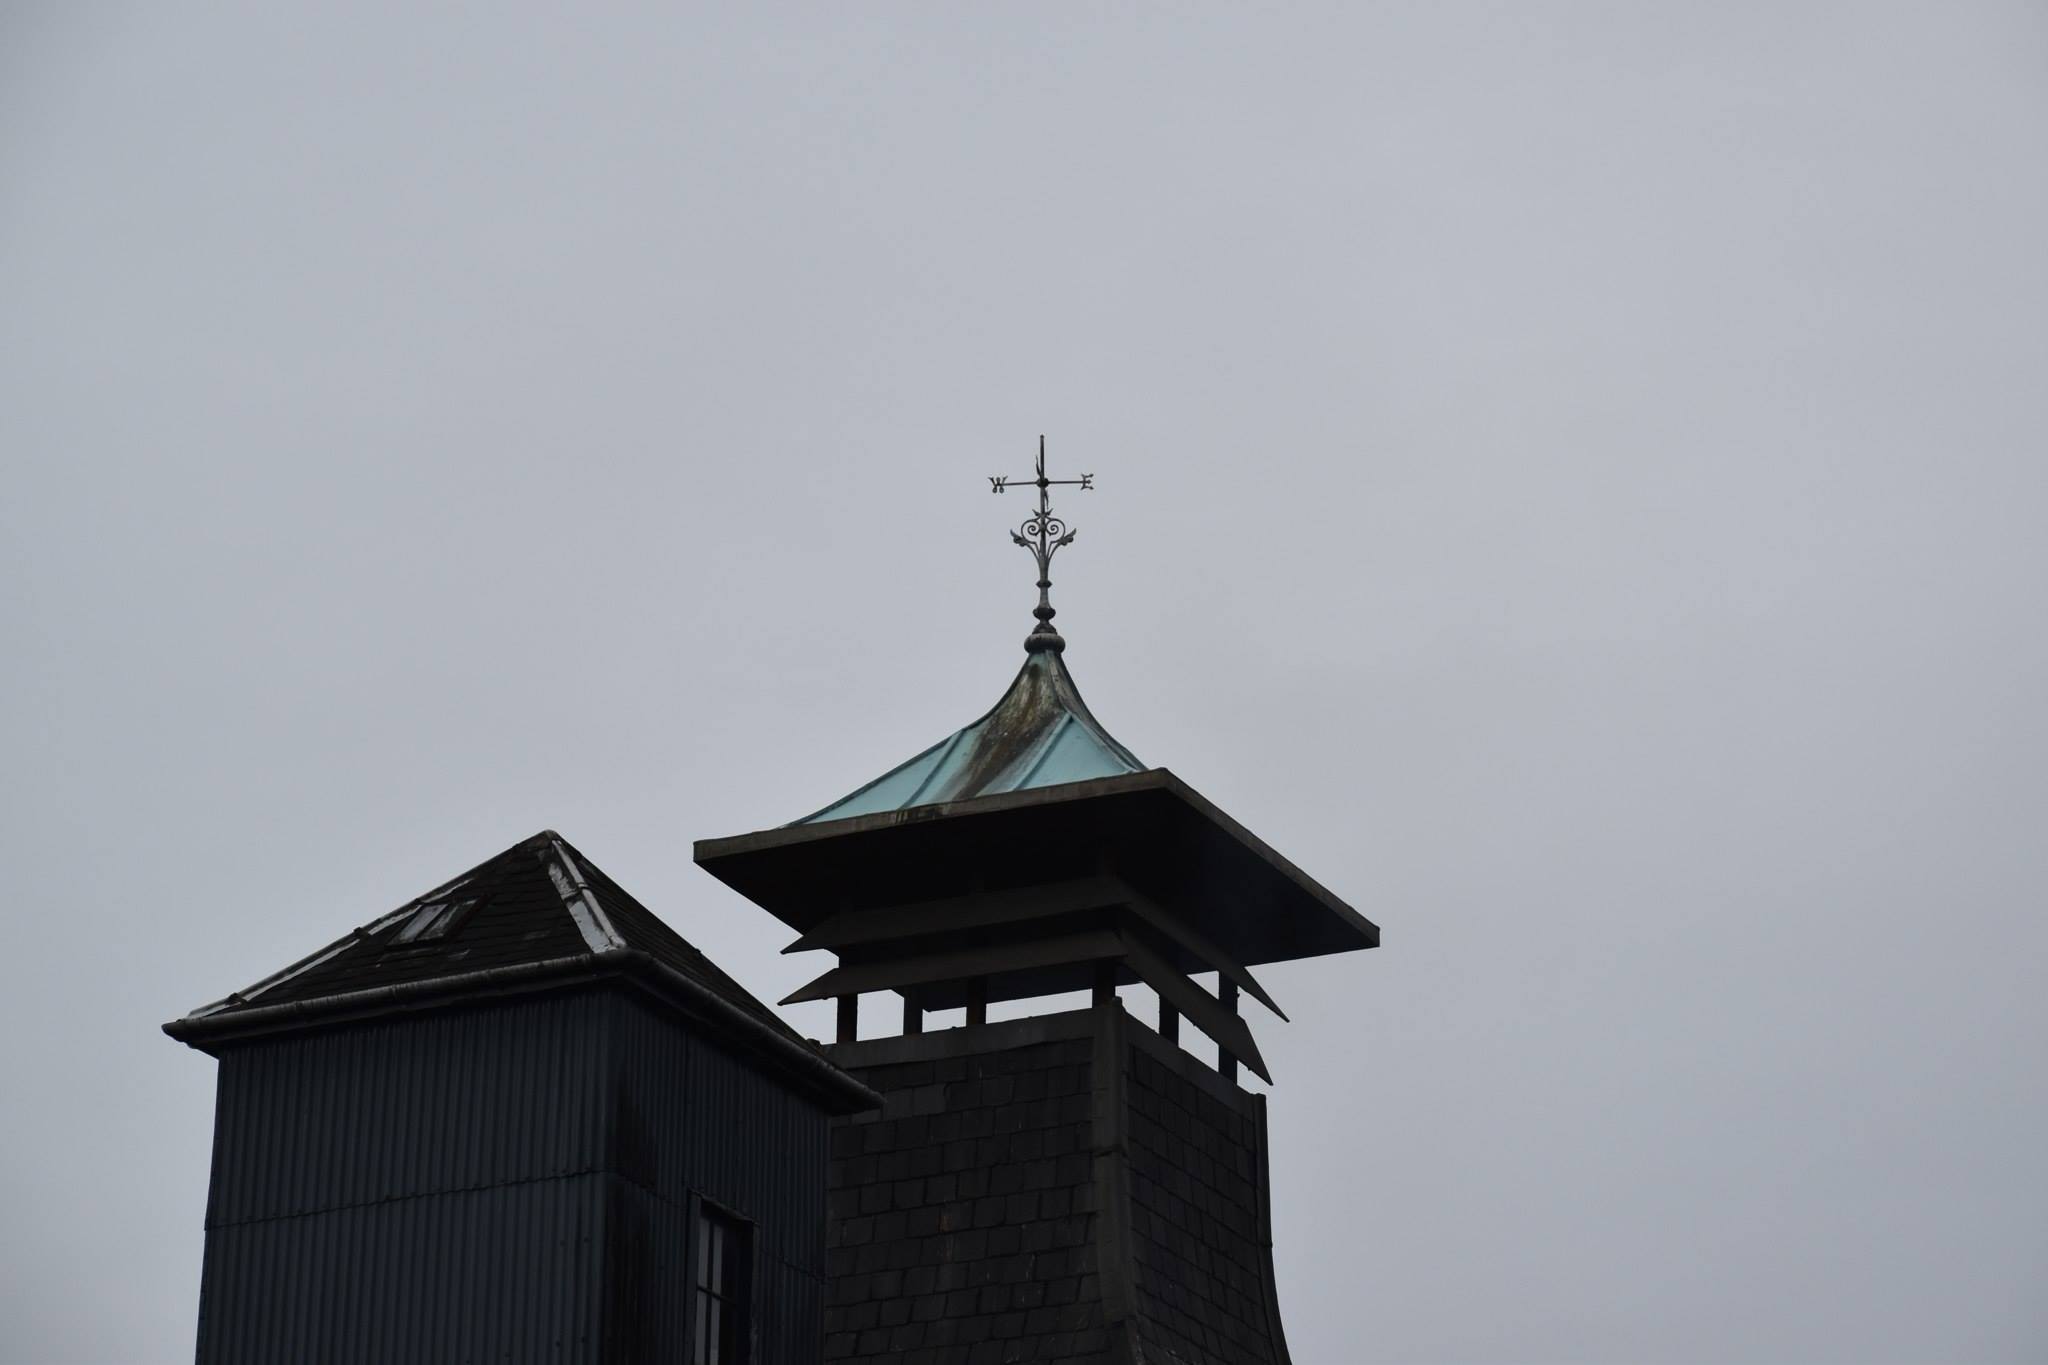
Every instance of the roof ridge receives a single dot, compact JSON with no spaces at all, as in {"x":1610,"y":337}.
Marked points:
{"x":662,"y":936}
{"x":583,"y":908}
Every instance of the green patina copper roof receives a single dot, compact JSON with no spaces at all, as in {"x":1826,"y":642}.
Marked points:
{"x":1039,"y":735}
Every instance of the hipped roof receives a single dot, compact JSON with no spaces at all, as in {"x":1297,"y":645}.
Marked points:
{"x":536,"y":915}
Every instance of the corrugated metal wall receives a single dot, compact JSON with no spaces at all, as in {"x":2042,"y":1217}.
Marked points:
{"x":505,"y":1183}
{"x":692,"y":1117}
{"x":504,"y":1273}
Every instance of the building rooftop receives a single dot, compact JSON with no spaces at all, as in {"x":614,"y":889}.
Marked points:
{"x":539,"y":915}
{"x":1029,"y":854}
{"x":1040,"y":734}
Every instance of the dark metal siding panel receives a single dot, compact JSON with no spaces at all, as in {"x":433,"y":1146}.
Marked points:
{"x":646,"y":1278}
{"x":397,"y":1108}
{"x":478,"y":1275}
{"x":421,"y":1188}
{"x":691,"y":1118}
{"x":648,"y":1288}
{"x":508,"y":1182}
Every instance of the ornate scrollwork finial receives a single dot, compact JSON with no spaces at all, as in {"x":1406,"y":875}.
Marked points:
{"x":1044,"y":535}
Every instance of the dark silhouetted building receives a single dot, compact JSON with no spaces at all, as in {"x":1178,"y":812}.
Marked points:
{"x":517,"y":1119}
{"x":520,"y":1119}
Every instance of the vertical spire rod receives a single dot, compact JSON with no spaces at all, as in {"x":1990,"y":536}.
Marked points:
{"x":1044,"y":535}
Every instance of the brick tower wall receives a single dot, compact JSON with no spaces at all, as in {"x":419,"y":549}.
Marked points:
{"x":1068,"y":1188}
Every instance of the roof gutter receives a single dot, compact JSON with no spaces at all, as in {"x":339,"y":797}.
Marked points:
{"x":840,"y":1092}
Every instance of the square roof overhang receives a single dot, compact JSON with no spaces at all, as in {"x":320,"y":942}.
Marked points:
{"x":1149,"y":828}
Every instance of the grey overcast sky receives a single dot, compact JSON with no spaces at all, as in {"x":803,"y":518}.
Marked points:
{"x":1570,"y":476}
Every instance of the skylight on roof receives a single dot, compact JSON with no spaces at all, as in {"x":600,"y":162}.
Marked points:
{"x":434,"y":920}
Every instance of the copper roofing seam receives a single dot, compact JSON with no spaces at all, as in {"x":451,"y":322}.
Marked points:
{"x":1034,"y":758}
{"x":917,"y":793}
{"x":1078,"y":707}
{"x":1000,"y":750}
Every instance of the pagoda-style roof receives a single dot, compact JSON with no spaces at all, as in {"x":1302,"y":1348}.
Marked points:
{"x":1147,"y":829}
{"x":538,"y":916}
{"x":1031,"y":854}
{"x":1040,"y":734}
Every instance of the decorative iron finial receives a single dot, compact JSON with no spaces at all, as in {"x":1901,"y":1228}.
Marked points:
{"x":1043,"y":534}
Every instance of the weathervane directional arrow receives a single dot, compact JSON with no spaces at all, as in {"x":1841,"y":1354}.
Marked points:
{"x":1043,"y":534}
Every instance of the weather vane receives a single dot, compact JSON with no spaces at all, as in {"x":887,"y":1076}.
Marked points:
{"x":1043,"y":534}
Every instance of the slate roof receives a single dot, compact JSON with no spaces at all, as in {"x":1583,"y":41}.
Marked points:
{"x":1040,"y":734}
{"x":539,"y":916}
{"x":539,"y":901}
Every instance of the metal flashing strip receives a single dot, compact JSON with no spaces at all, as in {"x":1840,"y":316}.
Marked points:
{"x":591,"y":922}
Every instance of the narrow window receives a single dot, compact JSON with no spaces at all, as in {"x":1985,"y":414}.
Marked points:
{"x":720,"y":1333}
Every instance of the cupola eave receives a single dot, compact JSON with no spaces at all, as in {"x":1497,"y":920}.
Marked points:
{"x":1148,"y":827}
